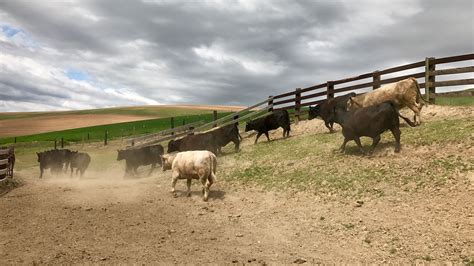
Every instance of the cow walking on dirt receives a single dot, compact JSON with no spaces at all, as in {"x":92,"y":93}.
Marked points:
{"x":80,"y":161}
{"x":370,"y":122}
{"x":190,"y":165}
{"x":136,"y":157}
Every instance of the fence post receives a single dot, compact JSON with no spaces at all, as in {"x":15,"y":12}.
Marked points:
{"x":376,"y":80}
{"x":15,"y":139}
{"x":190,"y":130}
{"x":297,"y":105}
{"x":55,"y":144}
{"x":270,"y":102}
{"x":430,"y":89}
{"x":105,"y":137}
{"x":172,"y":125}
{"x":235,"y":118}
{"x":62,"y":142}
{"x":330,"y":90}
{"x":88,"y":136}
{"x":214,"y":117}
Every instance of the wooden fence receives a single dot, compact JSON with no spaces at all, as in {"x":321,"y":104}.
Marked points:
{"x":242,"y":115}
{"x":7,"y":161}
{"x":301,"y":97}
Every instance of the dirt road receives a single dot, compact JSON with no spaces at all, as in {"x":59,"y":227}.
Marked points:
{"x":113,"y":220}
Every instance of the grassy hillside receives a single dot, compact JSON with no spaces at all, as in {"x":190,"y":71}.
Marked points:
{"x":435,"y":153}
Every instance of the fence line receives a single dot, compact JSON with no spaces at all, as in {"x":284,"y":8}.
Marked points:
{"x":7,"y":160}
{"x":430,"y":84}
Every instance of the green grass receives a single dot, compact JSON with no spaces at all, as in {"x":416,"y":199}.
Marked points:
{"x":455,"y":101}
{"x":97,"y":133}
{"x":314,"y":163}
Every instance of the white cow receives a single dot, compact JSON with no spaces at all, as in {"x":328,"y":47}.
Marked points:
{"x":191,"y":165}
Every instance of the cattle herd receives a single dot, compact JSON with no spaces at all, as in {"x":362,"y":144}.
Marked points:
{"x":194,"y":156}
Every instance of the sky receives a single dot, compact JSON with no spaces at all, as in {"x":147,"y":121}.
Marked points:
{"x":80,"y":54}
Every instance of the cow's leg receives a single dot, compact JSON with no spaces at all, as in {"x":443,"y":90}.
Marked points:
{"x":357,"y":140}
{"x":266,"y":134}
{"x":375,"y":141}
{"x":135,"y":172}
{"x":331,"y":124}
{"x":343,"y":146}
{"x":258,"y":136}
{"x":188,"y":183}
{"x":327,"y":124}
{"x":41,"y":172}
{"x":174,"y":179}
{"x":72,"y":170}
{"x":417,"y":117}
{"x":237,"y":144}
{"x":152,"y":167}
{"x":396,"y":134}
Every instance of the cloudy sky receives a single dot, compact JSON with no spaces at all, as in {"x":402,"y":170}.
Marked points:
{"x":78,"y":54}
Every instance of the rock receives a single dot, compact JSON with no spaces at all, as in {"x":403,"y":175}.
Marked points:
{"x":88,"y":209}
{"x":299,"y":261}
{"x":235,"y":261}
{"x":359,"y":203}
{"x":239,"y":235}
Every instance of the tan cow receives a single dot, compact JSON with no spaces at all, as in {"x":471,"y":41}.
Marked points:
{"x":402,"y":93}
{"x":191,"y":165}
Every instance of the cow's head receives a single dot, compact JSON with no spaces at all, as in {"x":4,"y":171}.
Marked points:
{"x":167,"y":161}
{"x":249,"y":126}
{"x":39,"y":156}
{"x":173,"y":146}
{"x":120,"y":155}
{"x":314,"y":111}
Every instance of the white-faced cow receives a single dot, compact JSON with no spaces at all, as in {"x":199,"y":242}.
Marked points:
{"x":402,"y":93}
{"x":190,"y":165}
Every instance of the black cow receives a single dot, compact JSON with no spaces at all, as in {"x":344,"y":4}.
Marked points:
{"x":279,"y":118}
{"x":370,"y":122}
{"x":54,"y":160}
{"x":224,"y":135}
{"x":136,"y":157}
{"x":327,"y":108}
{"x":80,"y":161}
{"x":196,"y":142}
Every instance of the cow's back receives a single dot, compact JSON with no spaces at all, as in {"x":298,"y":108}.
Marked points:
{"x":190,"y":163}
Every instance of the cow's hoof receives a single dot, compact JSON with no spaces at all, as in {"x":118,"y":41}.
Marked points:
{"x":188,"y":195}
{"x":204,"y":199}
{"x":397,"y":150}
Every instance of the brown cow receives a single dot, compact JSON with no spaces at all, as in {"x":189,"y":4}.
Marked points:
{"x":402,"y":93}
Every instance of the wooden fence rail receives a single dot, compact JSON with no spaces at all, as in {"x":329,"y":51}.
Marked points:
{"x":329,"y":88}
{"x":7,"y":160}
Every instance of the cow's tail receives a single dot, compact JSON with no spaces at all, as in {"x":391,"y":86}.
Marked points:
{"x":418,"y":93}
{"x":213,"y":165}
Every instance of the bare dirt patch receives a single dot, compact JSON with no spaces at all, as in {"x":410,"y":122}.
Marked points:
{"x":34,"y":125}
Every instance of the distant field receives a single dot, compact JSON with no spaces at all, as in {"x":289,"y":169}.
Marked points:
{"x":150,"y":111}
{"x":118,"y":130}
{"x":32,"y":123}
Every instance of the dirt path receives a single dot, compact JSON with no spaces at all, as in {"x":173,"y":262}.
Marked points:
{"x":114,"y":220}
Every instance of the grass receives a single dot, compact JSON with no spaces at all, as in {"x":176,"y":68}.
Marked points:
{"x":313,"y":162}
{"x":118,"y":130}
{"x":455,"y":100}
